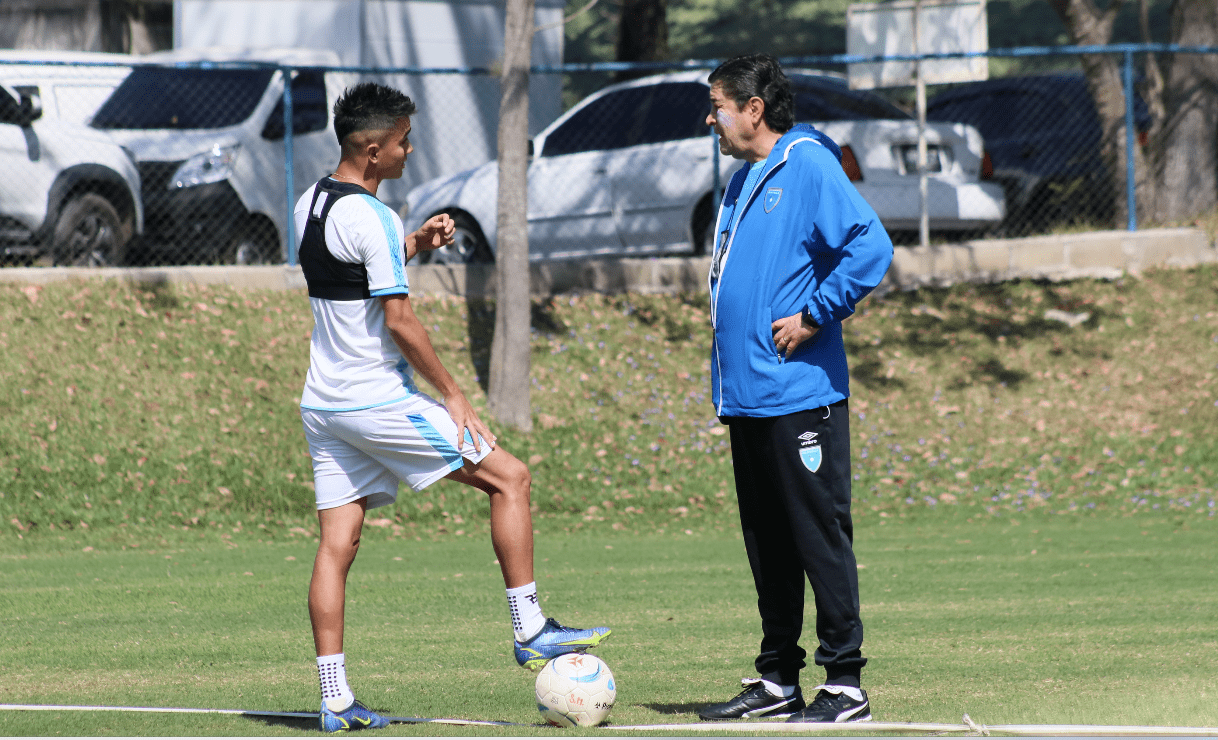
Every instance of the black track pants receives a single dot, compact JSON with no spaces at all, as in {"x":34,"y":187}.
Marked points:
{"x":794,"y":493}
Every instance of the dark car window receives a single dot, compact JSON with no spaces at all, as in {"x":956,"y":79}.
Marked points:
{"x":10,"y":109}
{"x":159,"y":97}
{"x":611,"y":122}
{"x":999,"y":114}
{"x":677,"y":110}
{"x":309,"y":108}
{"x":815,"y":101}
{"x":1040,"y":106}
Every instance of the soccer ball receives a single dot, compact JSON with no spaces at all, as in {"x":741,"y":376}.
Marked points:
{"x":575,"y":689}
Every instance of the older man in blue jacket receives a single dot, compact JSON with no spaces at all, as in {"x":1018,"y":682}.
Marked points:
{"x":797,"y":249}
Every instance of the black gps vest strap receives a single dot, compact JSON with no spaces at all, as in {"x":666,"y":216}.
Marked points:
{"x":327,"y":276}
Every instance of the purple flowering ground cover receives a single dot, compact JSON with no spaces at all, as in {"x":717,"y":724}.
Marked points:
{"x":1034,"y":502}
{"x":136,"y":410}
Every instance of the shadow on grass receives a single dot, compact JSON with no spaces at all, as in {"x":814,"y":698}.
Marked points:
{"x":482,"y":331}
{"x":295,"y":723}
{"x":686,"y":708}
{"x":872,"y":375}
{"x":543,"y":319}
{"x":658,"y":312}
{"x":932,"y":321}
{"x":162,"y":292}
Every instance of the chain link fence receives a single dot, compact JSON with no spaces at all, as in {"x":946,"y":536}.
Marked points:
{"x":198,"y":163}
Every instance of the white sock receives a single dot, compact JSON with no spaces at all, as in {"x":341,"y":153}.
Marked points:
{"x":332,"y":672}
{"x":850,"y":691}
{"x":527,"y":619}
{"x":778,"y":689}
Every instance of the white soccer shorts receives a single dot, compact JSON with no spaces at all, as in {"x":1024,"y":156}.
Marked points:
{"x":365,"y":453}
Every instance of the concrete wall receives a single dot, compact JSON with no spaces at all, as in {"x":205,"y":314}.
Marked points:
{"x":1105,"y":255}
{"x":1097,"y":254}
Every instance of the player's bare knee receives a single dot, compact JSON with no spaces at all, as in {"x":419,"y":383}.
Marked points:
{"x":522,"y":478}
{"x":339,"y":548}
{"x":516,"y":481}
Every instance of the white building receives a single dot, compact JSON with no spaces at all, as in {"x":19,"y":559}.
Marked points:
{"x":456,"y":127}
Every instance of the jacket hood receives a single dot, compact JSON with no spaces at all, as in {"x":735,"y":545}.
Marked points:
{"x":779,"y":154}
{"x":801,"y":130}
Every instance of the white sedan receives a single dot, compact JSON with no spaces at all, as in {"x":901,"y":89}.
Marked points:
{"x":630,"y":171}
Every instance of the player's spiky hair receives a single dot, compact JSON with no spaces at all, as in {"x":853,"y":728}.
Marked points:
{"x":369,"y":107}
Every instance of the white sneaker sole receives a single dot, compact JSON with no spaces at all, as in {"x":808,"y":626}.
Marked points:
{"x":765,"y":712}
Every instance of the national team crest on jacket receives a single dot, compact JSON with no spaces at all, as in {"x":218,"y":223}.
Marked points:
{"x":772,"y":196}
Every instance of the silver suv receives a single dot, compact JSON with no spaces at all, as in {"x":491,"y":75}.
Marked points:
{"x":68,"y":192}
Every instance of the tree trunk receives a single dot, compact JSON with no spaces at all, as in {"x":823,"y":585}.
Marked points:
{"x":509,"y":398}
{"x":642,"y":34}
{"x":113,"y":26}
{"x":1090,"y":25}
{"x":1153,"y":84}
{"x":125,"y":27}
{"x":1188,"y":163}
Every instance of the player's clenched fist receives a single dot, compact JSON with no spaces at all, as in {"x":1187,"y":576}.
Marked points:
{"x":437,"y":232}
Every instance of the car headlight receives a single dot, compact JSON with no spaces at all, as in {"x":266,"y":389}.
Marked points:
{"x":211,"y":166}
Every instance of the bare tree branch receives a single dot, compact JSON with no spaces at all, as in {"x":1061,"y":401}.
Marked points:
{"x":591,"y":4}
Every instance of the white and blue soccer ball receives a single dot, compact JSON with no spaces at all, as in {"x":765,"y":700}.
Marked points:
{"x":576,"y":689}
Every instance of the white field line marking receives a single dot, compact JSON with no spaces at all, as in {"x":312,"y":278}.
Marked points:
{"x":766,"y":726}
{"x":777,"y":727}
{"x":247,"y":713}
{"x":1098,"y":730}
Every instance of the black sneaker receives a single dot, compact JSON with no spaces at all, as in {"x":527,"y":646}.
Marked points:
{"x":755,"y":701}
{"x":833,"y":704}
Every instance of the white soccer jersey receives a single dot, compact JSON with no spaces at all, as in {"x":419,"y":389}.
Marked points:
{"x":353,"y":361}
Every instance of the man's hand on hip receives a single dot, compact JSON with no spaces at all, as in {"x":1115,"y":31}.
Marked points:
{"x":790,"y":332}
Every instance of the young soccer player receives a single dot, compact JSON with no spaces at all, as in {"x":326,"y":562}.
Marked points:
{"x":368,"y":426}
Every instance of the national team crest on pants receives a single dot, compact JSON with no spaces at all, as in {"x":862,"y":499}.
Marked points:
{"x":811,"y":458}
{"x":772,"y":196}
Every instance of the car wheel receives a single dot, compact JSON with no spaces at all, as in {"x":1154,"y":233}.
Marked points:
{"x":255,"y":244}
{"x":707,"y":246}
{"x":469,"y":246}
{"x":703,"y":231}
{"x":88,"y":233}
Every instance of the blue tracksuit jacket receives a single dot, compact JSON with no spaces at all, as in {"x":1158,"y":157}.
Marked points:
{"x":806,"y":240}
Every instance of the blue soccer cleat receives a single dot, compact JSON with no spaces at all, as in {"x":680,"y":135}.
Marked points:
{"x":355,"y":717}
{"x":555,"y":640}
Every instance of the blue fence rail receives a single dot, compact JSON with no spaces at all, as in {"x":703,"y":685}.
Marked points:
{"x":42,"y":236}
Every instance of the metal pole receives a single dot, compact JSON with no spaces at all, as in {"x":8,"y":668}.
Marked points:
{"x":288,"y":174}
{"x":920,"y":85}
{"x":1131,"y":202}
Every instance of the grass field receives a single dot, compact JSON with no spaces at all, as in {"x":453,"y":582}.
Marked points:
{"x":132,"y":411}
{"x":1035,"y":508}
{"x":1052,"y":620}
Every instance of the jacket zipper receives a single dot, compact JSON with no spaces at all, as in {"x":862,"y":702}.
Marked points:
{"x":728,"y":249}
